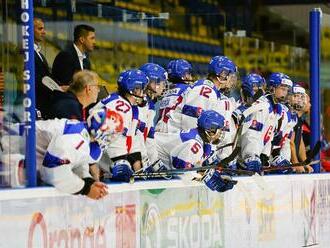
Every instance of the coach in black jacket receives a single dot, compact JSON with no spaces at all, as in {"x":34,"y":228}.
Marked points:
{"x":75,"y":57}
{"x":43,"y":94}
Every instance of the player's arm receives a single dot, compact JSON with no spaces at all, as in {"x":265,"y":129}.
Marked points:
{"x":57,"y":167}
{"x":187,"y":154}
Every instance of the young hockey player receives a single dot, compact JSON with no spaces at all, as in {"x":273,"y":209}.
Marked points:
{"x":203,"y":95}
{"x":259,"y":129}
{"x":65,"y":148}
{"x":131,"y":86}
{"x":190,"y":148}
{"x":145,"y":113}
{"x":180,"y":77}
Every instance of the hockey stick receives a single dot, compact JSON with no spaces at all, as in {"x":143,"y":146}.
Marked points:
{"x":51,"y":84}
{"x":222,"y":163}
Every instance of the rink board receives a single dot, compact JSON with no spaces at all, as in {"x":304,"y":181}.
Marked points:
{"x":274,"y":211}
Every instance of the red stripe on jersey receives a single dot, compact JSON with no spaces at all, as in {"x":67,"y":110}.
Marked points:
{"x":80,"y":144}
{"x":227,"y":105}
{"x":128,"y":143}
{"x":167,"y":110}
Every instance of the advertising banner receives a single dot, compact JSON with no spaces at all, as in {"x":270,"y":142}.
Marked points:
{"x":190,"y":217}
{"x":274,"y":211}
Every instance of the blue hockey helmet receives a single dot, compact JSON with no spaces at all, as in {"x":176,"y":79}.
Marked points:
{"x":213,"y":124}
{"x":154,"y":72}
{"x":133,"y":79}
{"x":251,"y":83}
{"x":221,"y":65}
{"x":177,"y":69}
{"x":278,"y":78}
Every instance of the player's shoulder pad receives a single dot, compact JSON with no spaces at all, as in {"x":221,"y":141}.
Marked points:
{"x":110,"y":98}
{"x":187,"y":135}
{"x":208,"y":83}
{"x":75,"y":127}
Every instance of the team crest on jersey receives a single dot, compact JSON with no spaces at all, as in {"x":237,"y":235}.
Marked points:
{"x":114,"y":122}
{"x":85,"y":134}
{"x":255,"y":125}
{"x":208,"y":83}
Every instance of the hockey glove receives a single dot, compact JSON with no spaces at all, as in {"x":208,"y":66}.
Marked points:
{"x":280,"y":161}
{"x":121,"y":171}
{"x":237,"y":114}
{"x":215,"y":180}
{"x":154,"y":167}
{"x":253,"y":163}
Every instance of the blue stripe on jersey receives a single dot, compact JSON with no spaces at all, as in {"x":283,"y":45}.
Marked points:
{"x":191,"y":111}
{"x":141,"y":126}
{"x":135,"y":112}
{"x":51,"y":161}
{"x":207,"y":150}
{"x":151,"y":133}
{"x":110,"y":98}
{"x":256,"y":125}
{"x":176,"y":90}
{"x":188,"y":135}
{"x":94,"y":150}
{"x":180,"y":164}
{"x":125,"y":131}
{"x":151,"y":103}
{"x":72,"y":128}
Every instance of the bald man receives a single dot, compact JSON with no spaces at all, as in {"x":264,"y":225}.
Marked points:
{"x":43,"y":94}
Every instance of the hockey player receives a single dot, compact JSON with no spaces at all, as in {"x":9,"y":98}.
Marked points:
{"x":297,"y":101}
{"x":180,"y":77}
{"x":259,"y":130}
{"x":146,"y":112}
{"x":131,"y":86}
{"x":252,"y":88}
{"x":190,"y":148}
{"x":204,"y":95}
{"x":65,"y":148}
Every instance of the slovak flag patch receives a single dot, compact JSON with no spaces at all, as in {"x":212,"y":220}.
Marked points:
{"x":256,"y":125}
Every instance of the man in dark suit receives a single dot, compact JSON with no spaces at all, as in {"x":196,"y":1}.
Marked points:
{"x":43,"y":94}
{"x":75,"y":57}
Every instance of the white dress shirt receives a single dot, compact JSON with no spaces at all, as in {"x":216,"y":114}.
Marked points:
{"x":81,"y":56}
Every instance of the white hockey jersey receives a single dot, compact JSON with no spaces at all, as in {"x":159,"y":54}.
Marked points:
{"x":172,"y":98}
{"x":285,"y":131}
{"x":201,"y":96}
{"x":121,"y":143}
{"x":258,"y":130}
{"x":64,"y":152}
{"x":144,"y":137}
{"x":185,"y":149}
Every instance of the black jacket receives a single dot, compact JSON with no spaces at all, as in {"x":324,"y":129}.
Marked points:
{"x":66,"y":105}
{"x":66,"y":64}
{"x":42,"y":93}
